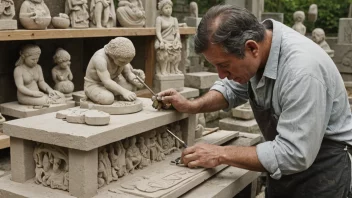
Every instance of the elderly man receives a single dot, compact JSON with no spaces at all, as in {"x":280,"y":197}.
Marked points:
{"x":109,"y":73}
{"x":297,"y":96}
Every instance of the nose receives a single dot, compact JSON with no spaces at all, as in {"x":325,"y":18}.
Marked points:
{"x":222,"y":73}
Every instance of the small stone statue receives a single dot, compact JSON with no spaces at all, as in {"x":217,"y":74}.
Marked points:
{"x":130,"y":13}
{"x":116,"y":76}
{"x":7,"y":9}
{"x":102,"y":14}
{"x":78,"y":12}
{"x":299,"y":17}
{"x":34,"y":14}
{"x":29,"y":80}
{"x":313,"y":13}
{"x":193,"y":8}
{"x":105,"y":170}
{"x":119,"y":161}
{"x":318,"y":36}
{"x":62,"y":74}
{"x":168,"y":43}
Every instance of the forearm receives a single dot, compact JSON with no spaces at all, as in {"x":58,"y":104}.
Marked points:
{"x":44,"y":86}
{"x":24,"y":90}
{"x":211,"y":101}
{"x":112,"y":86}
{"x":241,"y":157}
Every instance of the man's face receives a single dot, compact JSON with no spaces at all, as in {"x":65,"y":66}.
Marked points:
{"x":231,"y":67}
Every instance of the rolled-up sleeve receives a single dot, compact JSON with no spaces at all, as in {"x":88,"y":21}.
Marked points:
{"x":234,"y":93}
{"x":301,"y":127}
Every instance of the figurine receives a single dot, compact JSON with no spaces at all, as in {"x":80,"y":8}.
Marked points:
{"x":130,"y":13}
{"x":102,"y":14}
{"x":78,"y":12}
{"x":168,"y":43}
{"x":34,"y":14}
{"x":61,"y":73}
{"x":318,"y":36}
{"x":193,"y":8}
{"x":299,"y":17}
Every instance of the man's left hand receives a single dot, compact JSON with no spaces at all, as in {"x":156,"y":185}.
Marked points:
{"x":202,"y":155}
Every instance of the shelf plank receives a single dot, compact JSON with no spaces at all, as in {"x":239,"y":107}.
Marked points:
{"x":12,"y":35}
{"x":4,"y":141}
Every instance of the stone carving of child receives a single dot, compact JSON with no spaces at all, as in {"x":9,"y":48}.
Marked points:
{"x":102,"y":13}
{"x":299,"y":17}
{"x":130,"y":13}
{"x":318,"y":36}
{"x":61,"y":73}
{"x":78,"y":12}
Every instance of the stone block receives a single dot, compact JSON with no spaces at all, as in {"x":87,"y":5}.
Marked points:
{"x":242,"y":113}
{"x":188,"y":92}
{"x":345,"y":31}
{"x":232,"y":124}
{"x":22,"y":159}
{"x":192,"y":21}
{"x":8,"y":24}
{"x":211,"y":116}
{"x":224,"y":114}
{"x":343,"y":58}
{"x":150,"y":7}
{"x":273,"y":15}
{"x":176,"y":81}
{"x":16,"y":110}
{"x":201,"y":80}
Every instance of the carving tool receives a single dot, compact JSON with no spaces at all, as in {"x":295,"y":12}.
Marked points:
{"x":177,"y":138}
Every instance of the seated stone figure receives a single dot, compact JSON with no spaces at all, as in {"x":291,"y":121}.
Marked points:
{"x":29,"y":80}
{"x":102,"y":13}
{"x":109,"y":73}
{"x":7,"y":9}
{"x":130,"y":13}
{"x":34,"y":9}
{"x":61,"y":73}
{"x":299,"y":17}
{"x":318,"y":36}
{"x":168,"y":43}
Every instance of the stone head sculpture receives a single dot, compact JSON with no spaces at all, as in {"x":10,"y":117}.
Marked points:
{"x":313,"y":13}
{"x":121,"y":50}
{"x":165,"y":7}
{"x":29,"y":55}
{"x":318,"y":35}
{"x":62,"y":56}
{"x":193,"y":8}
{"x":299,"y":16}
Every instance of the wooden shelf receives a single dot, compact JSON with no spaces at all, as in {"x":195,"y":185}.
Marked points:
{"x":82,"y":33}
{"x":4,"y":141}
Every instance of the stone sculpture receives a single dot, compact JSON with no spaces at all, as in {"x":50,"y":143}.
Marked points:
{"x":106,"y":173}
{"x":102,"y":14}
{"x":299,"y":17}
{"x":318,"y":36}
{"x":61,"y":73}
{"x":29,"y":80}
{"x":51,"y":166}
{"x":34,"y":14}
{"x":168,"y":43}
{"x":130,"y":13}
{"x":61,"y":22}
{"x":7,"y":12}
{"x":78,"y":12}
{"x":193,"y":8}
{"x":313,"y":13}
{"x":119,"y":160}
{"x":116,"y":76}
{"x":145,"y":152}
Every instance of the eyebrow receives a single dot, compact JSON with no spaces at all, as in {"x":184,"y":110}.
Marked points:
{"x":221,"y":63}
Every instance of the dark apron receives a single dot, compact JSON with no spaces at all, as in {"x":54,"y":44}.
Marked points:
{"x":328,"y":177}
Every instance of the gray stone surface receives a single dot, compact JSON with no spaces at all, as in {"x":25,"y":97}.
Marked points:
{"x":192,"y":21}
{"x":175,"y":81}
{"x":8,"y":24}
{"x":232,"y":124}
{"x":188,"y":92}
{"x":343,"y":58}
{"x":200,"y":80}
{"x":241,"y":113}
{"x":22,"y":160}
{"x":345,"y":31}
{"x":224,"y":114}
{"x":273,"y":15}
{"x":211,"y":116}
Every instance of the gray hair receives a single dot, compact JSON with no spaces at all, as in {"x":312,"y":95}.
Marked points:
{"x":237,"y":25}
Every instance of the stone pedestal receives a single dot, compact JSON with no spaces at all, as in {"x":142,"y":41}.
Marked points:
{"x":201,"y":80}
{"x":188,"y":92}
{"x":176,"y":81}
{"x":150,"y":7}
{"x":273,"y":15}
{"x":8,"y":24}
{"x":345,"y":31}
{"x":249,"y":126}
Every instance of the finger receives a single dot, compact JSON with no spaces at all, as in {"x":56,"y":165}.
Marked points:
{"x":194,"y":164}
{"x":167,"y":92}
{"x":189,"y":150}
{"x":190,"y":157}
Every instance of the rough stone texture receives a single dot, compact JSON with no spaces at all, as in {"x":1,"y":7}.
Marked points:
{"x":249,"y":126}
{"x":16,"y":110}
{"x":245,"y":114}
{"x":224,"y":114}
{"x":192,"y":21}
{"x":22,"y":159}
{"x":345,"y":31}
{"x":188,"y":128}
{"x":175,"y":81}
{"x":343,"y":60}
{"x":117,"y":108}
{"x":83,"y":173}
{"x":211,"y":116}
{"x":273,"y":15}
{"x":8,"y":25}
{"x":188,"y":92}
{"x":150,"y":7}
{"x":44,"y":128}
{"x":200,"y":80}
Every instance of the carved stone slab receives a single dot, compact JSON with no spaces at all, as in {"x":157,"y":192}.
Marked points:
{"x":117,"y":108}
{"x":343,"y":57}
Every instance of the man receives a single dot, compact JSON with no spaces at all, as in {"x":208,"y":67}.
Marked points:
{"x":109,"y":73}
{"x":297,"y":96}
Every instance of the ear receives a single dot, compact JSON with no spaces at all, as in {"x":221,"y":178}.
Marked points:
{"x":252,"y":47}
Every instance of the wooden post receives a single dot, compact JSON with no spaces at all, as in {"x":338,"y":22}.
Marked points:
{"x":149,"y":60}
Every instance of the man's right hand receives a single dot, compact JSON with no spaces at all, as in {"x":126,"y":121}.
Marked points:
{"x":172,"y":97}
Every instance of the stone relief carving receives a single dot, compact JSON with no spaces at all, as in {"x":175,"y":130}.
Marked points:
{"x":102,"y":14}
{"x":29,"y":80}
{"x":299,"y":17}
{"x":61,"y":73}
{"x":130,"y":13}
{"x":7,"y":9}
{"x":116,"y":76}
{"x":52,"y":166}
{"x":78,"y":12}
{"x":318,"y":36}
{"x":193,"y":8}
{"x":34,"y":14}
{"x":168,"y":43}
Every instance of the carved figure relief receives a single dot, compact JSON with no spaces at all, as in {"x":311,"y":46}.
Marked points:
{"x":61,"y":73}
{"x":34,"y":14}
{"x":130,"y":13}
{"x":117,"y":77}
{"x":7,"y":9}
{"x":78,"y":12}
{"x":52,"y":166}
{"x":102,"y":14}
{"x":168,"y":43}
{"x":106,"y":173}
{"x":299,"y":17}
{"x":29,"y":80}
{"x":318,"y":36}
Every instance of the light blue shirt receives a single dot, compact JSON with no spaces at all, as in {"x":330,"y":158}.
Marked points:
{"x":308,"y":97}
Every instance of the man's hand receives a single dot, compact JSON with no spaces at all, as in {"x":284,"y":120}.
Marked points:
{"x":172,"y":97}
{"x":202,"y":155}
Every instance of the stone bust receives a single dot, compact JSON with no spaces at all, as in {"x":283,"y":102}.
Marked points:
{"x":299,"y":17}
{"x":168,"y":43}
{"x":318,"y":36}
{"x":109,"y":73}
{"x":61,"y":73}
{"x":130,"y":13}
